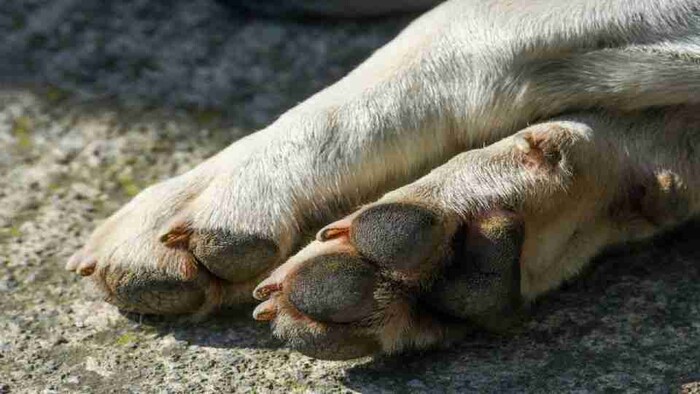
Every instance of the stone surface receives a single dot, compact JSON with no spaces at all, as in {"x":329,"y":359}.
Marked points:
{"x":99,"y":100}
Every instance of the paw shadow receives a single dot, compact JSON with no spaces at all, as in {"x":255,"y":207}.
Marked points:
{"x":630,"y":322}
{"x":229,"y":328}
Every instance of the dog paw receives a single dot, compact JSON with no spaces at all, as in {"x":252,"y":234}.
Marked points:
{"x":386,"y":277}
{"x":467,"y":245}
{"x":163,"y":253}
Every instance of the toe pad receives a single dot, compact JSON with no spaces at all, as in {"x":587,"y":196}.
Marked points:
{"x":397,"y":236}
{"x":336,"y":288}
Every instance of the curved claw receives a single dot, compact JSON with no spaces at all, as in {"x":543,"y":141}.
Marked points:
{"x":266,"y":288}
{"x":339,"y":228}
{"x":82,"y":263}
{"x":87,"y":266}
{"x":266,"y":311}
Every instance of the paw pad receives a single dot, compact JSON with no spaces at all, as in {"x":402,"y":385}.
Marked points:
{"x":397,"y":236}
{"x":337,"y":288}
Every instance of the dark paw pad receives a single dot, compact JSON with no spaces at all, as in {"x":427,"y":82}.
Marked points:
{"x":397,"y":236}
{"x":154,"y":293}
{"x":234,"y":257}
{"x":482,"y":282}
{"x":335,"y":288}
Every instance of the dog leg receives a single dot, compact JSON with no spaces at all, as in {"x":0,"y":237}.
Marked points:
{"x":487,"y":231}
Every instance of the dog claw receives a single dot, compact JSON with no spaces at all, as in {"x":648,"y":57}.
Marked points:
{"x":263,"y":291}
{"x":330,"y":233}
{"x":266,"y":311}
{"x":340,"y":228}
{"x":81,"y":263}
{"x":72,"y":262}
{"x":178,"y":236}
{"x":87,"y":267}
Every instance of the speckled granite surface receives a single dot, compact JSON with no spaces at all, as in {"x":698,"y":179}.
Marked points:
{"x":99,"y":99}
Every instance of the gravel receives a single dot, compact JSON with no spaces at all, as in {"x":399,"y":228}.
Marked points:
{"x":100,"y":99}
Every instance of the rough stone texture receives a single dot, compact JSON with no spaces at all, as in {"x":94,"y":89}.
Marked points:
{"x":131,"y":92}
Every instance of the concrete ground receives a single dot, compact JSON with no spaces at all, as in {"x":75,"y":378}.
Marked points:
{"x":100,"y":99}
